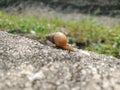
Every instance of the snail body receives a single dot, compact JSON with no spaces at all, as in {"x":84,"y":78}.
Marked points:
{"x":60,"y":40}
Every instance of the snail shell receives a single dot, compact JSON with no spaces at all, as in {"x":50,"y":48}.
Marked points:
{"x":60,"y":40}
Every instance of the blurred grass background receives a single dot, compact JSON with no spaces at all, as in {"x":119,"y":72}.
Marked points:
{"x":84,"y":34}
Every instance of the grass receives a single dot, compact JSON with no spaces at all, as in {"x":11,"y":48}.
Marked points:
{"x":93,"y":36}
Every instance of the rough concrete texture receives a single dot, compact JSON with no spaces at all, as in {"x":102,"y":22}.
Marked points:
{"x":26,"y":64}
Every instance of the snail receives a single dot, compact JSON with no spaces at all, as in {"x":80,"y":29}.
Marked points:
{"x":60,"y":40}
